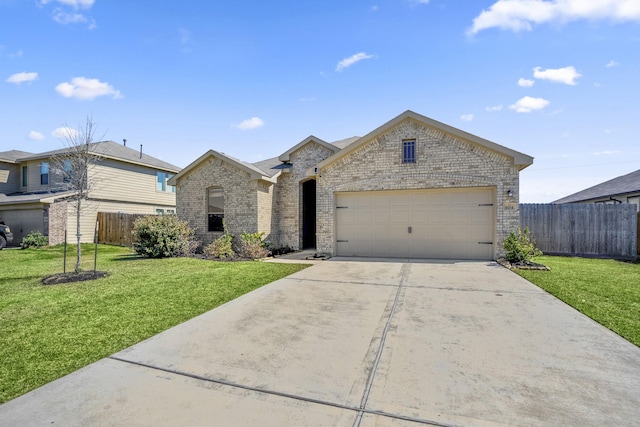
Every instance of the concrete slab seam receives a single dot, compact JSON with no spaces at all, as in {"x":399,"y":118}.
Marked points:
{"x":283,"y":394}
{"x":341,"y":282}
{"x":404,"y":272}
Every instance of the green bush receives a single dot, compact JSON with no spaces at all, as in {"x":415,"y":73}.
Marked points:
{"x":520,"y":247}
{"x":252,"y":246}
{"x":35,"y":239}
{"x":160,"y":236}
{"x":220,"y":248}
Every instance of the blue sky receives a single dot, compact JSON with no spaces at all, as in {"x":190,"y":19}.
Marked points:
{"x":555,"y":79}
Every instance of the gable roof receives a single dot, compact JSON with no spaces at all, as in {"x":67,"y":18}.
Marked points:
{"x":284,"y":157}
{"x":12,"y":155}
{"x":521,"y":160}
{"x":112,"y":150}
{"x":254,"y":171}
{"x":629,"y":183}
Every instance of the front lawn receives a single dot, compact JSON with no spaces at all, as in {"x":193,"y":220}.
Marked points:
{"x":49,"y":331}
{"x":608,"y":291}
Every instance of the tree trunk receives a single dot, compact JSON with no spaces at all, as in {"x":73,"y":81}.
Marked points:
{"x":78,"y":249}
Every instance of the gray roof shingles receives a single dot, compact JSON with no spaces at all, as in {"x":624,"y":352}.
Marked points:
{"x":116,"y":151}
{"x":629,"y":183}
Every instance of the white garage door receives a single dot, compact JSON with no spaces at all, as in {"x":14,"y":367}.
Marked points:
{"x":444,"y":224}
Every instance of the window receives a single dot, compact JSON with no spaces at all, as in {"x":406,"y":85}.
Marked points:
{"x":44,"y":173}
{"x":159,"y":211}
{"x":634,"y":201}
{"x":25,"y":174}
{"x":170,"y":188}
{"x":215,"y":209}
{"x":409,"y":151}
{"x":66,"y":169}
{"x":170,"y":212}
{"x":161,"y":181}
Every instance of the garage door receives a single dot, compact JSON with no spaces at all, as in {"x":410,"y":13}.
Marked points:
{"x":444,"y":224}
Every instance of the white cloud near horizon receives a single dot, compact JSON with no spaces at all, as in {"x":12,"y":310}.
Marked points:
{"x":65,"y":133}
{"x":528,"y":104}
{"x":521,"y":15}
{"x":494,"y":108}
{"x":525,"y":82}
{"x":76,"y":4}
{"x":348,"y":62}
{"x":35,"y":136}
{"x":466,"y":117}
{"x":249,"y":124}
{"x":87,"y":89}
{"x":566,"y":75}
{"x":612,"y":63}
{"x":18,"y":78}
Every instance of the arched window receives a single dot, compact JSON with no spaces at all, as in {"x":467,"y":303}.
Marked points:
{"x":215,"y":209}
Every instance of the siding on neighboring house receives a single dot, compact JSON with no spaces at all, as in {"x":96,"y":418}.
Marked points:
{"x":9,"y":178}
{"x":442,"y":161}
{"x":128,"y":183}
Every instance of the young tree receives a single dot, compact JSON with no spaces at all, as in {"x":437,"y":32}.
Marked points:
{"x":73,"y":167}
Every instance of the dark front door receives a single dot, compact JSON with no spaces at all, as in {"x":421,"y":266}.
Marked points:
{"x":309,"y":214}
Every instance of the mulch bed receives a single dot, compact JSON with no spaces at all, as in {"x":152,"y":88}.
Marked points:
{"x":525,"y":265}
{"x":59,"y":278}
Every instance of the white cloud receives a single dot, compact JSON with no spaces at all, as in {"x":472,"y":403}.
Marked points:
{"x":76,"y":4}
{"x":606,"y":152}
{"x":518,"y":15}
{"x":83,"y":88}
{"x":252,"y":123}
{"x":35,"y":136}
{"x":311,"y":99}
{"x":348,"y":62}
{"x":419,"y":1}
{"x":22,"y":77}
{"x":466,"y":117}
{"x":612,"y":63}
{"x":65,"y":133}
{"x":526,"y":82}
{"x":529,"y":104}
{"x":566,"y":75}
{"x":494,"y":108}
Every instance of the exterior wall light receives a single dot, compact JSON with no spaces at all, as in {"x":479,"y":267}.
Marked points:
{"x":509,"y":193}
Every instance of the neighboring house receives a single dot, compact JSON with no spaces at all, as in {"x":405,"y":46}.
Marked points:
{"x":413,"y":187}
{"x":33,"y":197}
{"x":623,"y":189}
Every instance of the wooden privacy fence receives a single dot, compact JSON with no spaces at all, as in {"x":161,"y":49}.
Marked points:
{"x":591,"y":230}
{"x":116,"y":228}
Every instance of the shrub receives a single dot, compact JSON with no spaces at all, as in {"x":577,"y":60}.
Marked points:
{"x":520,"y":247}
{"x":252,"y":246}
{"x":160,"y":236}
{"x":35,"y":239}
{"x":220,"y":248}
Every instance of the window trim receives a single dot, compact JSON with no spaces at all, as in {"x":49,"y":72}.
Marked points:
{"x":409,"y":151}
{"x":25,"y":176}
{"x":215,"y":220}
{"x":44,"y":177}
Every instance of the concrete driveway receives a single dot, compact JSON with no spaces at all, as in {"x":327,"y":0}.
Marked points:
{"x":353,"y":343}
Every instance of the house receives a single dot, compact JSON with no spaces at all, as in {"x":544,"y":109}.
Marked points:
{"x":413,"y":187}
{"x":33,"y":196}
{"x":623,"y":189}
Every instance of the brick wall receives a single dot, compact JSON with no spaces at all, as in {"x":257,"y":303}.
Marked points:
{"x":240,"y":198}
{"x":57,"y":222}
{"x":442,"y":161}
{"x":290,"y":195}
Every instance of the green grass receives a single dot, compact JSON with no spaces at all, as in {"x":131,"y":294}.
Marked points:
{"x":608,"y":291}
{"x":49,"y":331}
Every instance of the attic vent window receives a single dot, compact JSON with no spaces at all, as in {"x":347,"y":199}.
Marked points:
{"x":409,"y":151}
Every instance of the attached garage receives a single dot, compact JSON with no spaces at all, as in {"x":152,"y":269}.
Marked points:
{"x":24,"y":221}
{"x":453,"y":223}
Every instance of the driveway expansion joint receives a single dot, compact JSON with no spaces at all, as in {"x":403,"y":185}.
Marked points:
{"x":281,"y":394}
